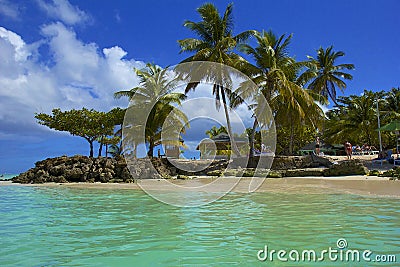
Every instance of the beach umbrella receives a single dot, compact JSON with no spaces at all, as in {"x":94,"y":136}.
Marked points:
{"x":393,"y":126}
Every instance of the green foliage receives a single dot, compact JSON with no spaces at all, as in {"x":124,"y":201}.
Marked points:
{"x":155,"y":89}
{"x":355,"y":119}
{"x":323,"y":75}
{"x":391,"y":104}
{"x":214,"y":131}
{"x":216,"y":42}
{"x":89,"y":124}
{"x":302,"y":135}
{"x":394,"y":174}
{"x":276,"y":74}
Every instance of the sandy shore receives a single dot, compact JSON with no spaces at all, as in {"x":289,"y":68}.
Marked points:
{"x":360,"y":185}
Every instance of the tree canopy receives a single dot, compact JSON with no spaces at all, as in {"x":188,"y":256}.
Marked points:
{"x":86,"y":123}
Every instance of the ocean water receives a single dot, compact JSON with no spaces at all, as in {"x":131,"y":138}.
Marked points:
{"x":43,"y":226}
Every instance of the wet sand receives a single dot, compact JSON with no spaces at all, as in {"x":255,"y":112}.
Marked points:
{"x":360,"y":185}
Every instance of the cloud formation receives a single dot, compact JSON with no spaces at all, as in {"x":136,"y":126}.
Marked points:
{"x":77,"y":74}
{"x":64,"y":11}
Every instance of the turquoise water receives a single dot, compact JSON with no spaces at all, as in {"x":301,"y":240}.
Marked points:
{"x":42,"y":226}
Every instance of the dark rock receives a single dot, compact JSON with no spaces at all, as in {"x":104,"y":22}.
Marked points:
{"x":215,"y":173}
{"x":299,"y":162}
{"x":347,"y":167}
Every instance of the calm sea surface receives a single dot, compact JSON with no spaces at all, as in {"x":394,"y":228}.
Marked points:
{"x":42,"y":226}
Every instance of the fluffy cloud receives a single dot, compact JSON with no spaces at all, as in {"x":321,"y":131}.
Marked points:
{"x":78,"y":74}
{"x":64,"y":11}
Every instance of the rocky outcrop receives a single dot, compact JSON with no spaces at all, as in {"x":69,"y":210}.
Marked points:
{"x":76,"y":169}
{"x":347,"y":167}
{"x":299,"y":162}
{"x":84,"y":169}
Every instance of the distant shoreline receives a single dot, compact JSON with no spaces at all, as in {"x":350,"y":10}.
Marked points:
{"x":357,"y":184}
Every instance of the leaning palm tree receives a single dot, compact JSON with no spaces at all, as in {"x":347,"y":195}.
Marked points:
{"x":323,"y":75}
{"x":275,"y":77}
{"x":155,"y":90}
{"x":215,"y":43}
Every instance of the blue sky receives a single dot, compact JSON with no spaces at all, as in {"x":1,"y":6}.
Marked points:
{"x":69,"y":54}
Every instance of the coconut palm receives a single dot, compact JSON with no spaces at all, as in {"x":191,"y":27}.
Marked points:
{"x":156,"y":90}
{"x":215,"y":43}
{"x":323,"y":76}
{"x":275,"y":77}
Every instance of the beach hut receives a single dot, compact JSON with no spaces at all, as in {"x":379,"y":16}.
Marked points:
{"x":172,"y":149}
{"x":220,"y":146}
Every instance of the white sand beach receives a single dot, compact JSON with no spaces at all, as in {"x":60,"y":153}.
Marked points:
{"x":360,"y":185}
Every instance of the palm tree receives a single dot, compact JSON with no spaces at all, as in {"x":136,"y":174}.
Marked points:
{"x":156,"y":90}
{"x":214,"y":131}
{"x":323,"y":75}
{"x":392,"y":103}
{"x":354,"y":118}
{"x":114,"y":150}
{"x":215,"y":43}
{"x":275,"y":77}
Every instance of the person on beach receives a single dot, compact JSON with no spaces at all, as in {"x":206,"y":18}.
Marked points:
{"x":348,"y":148}
{"x":317,"y":147}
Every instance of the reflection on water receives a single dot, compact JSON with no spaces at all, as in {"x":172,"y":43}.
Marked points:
{"x":81,"y":227}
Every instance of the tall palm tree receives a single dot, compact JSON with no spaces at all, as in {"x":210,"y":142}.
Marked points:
{"x":156,"y":89}
{"x":275,"y":77}
{"x":323,"y":75}
{"x":215,"y":43}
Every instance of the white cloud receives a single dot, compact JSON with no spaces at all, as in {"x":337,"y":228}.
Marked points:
{"x":64,"y":11}
{"x":79,"y":74}
{"x":9,"y":9}
{"x":16,"y":42}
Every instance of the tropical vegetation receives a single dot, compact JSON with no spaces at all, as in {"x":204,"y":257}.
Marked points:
{"x":295,"y":90}
{"x":155,"y":91}
{"x":92,"y":125}
{"x":355,"y":118}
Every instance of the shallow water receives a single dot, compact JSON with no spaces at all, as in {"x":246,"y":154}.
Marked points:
{"x":42,"y":226}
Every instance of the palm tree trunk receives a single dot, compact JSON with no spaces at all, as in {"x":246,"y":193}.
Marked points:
{"x":228,"y":122}
{"x":291,"y":136}
{"x":254,"y":128}
{"x":253,"y":133}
